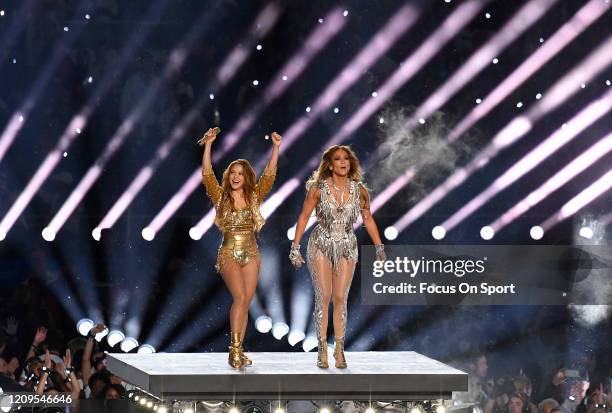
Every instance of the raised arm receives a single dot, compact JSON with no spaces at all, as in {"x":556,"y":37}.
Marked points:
{"x":213,"y":189}
{"x":266,"y":180}
{"x":312,"y":198}
{"x":369,"y":223}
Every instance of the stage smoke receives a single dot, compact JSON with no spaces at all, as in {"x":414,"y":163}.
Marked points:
{"x":424,"y":148}
{"x":590,"y":315}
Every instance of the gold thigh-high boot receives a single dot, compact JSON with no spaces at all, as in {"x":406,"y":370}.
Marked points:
{"x":322,"y":353}
{"x":243,"y":357}
{"x":234,"y":351}
{"x":339,"y":353}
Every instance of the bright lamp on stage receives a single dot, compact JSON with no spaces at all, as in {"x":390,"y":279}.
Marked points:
{"x":101,"y":334}
{"x":324,"y":410}
{"x":438,"y":232}
{"x":415,"y":409}
{"x":487,"y":232}
{"x":310,"y":343}
{"x":536,"y":232}
{"x":148,"y":233}
{"x":96,"y":233}
{"x":234,"y":409}
{"x":391,"y":233}
{"x":115,"y":337}
{"x":440,"y":409}
{"x":150,"y":404}
{"x":295,"y":337}
{"x":84,"y":325}
{"x":48,"y":234}
{"x":128,"y":344}
{"x":370,"y":410}
{"x":279,"y":410}
{"x":279,"y":330}
{"x":146,"y":349}
{"x":195,"y":233}
{"x":263,"y":324}
{"x":142,"y":401}
{"x":586,"y":232}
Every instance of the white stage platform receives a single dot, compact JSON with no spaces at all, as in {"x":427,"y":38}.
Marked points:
{"x":398,"y":375}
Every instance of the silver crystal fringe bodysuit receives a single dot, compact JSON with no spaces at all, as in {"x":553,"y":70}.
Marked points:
{"x":238,"y":226}
{"x":332,"y":247}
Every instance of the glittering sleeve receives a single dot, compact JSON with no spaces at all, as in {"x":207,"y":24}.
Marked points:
{"x":213,"y":189}
{"x":264,"y":185}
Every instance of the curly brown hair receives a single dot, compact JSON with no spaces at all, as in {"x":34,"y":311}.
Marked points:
{"x":323,"y":170}
{"x":248,"y":188}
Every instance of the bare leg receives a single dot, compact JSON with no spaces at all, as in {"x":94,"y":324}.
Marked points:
{"x":340,"y":288}
{"x":234,"y":279}
{"x":250,"y":274}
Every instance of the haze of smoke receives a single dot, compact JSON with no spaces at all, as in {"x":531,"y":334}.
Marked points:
{"x":424,"y":148}
{"x":590,"y":315}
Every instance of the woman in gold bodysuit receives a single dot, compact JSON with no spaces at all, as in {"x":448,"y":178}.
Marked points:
{"x":237,"y":202}
{"x":337,"y":194}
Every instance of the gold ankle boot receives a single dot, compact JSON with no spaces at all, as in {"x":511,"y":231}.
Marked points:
{"x":234,"y":359}
{"x":243,"y":357}
{"x":339,"y":353}
{"x":322,"y":354}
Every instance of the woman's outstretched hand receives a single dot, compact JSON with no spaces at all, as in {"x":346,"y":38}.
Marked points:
{"x":209,"y":136}
{"x":276,"y":139}
{"x":295,"y":256}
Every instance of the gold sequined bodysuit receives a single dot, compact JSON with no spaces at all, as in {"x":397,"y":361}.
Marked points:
{"x":238,"y":226}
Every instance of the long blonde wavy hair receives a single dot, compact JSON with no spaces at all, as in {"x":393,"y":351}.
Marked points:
{"x":248,"y":187}
{"x":323,"y":172}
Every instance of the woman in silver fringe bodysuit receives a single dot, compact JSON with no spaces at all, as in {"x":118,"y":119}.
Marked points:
{"x":337,"y":194}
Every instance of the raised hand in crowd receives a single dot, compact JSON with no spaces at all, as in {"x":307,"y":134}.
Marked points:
{"x":44,"y":374}
{"x":89,"y":347}
{"x":39,"y":337}
{"x":10,"y":326}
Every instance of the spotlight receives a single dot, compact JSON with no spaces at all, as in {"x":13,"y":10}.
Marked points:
{"x":263,"y":324}
{"x":495,"y":61}
{"x":148,"y":233}
{"x":539,"y":96}
{"x":438,"y":232}
{"x":324,"y":410}
{"x":370,"y":409}
{"x":146,"y":349}
{"x":48,"y":234}
{"x":162,"y":410}
{"x":487,"y":232}
{"x":20,"y":116}
{"x":488,"y":15}
{"x":285,"y":77}
{"x":96,"y":233}
{"x":541,"y":40}
{"x":142,"y":401}
{"x":519,"y":105}
{"x":279,"y":330}
{"x":195,"y":233}
{"x":608,"y":82}
{"x":234,"y":409}
{"x":381,"y":120}
{"x":2,"y":13}
{"x":295,"y":337}
{"x":279,"y":410}
{"x":415,"y":409}
{"x":101,"y":334}
{"x":115,"y":337}
{"x":440,"y":409}
{"x":586,"y":232}
{"x":345,"y":13}
{"x":211,"y":96}
{"x":255,"y":82}
{"x":582,"y":85}
{"x":291,"y":233}
{"x":321,"y":20}
{"x":87,"y":16}
{"x":336,"y":110}
{"x":66,"y":28}
{"x":308,"y":109}
{"x":259,"y":47}
{"x":478,"y":101}
{"x":374,"y":94}
{"x":128,"y":344}
{"x":150,"y":404}
{"x":84,"y":325}
{"x":391,"y":233}
{"x":310,"y":343}
{"x":136,"y":398}
{"x":422,"y":121}
{"x":2,"y":236}
{"x":90,"y":79}
{"x":536,"y":232}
